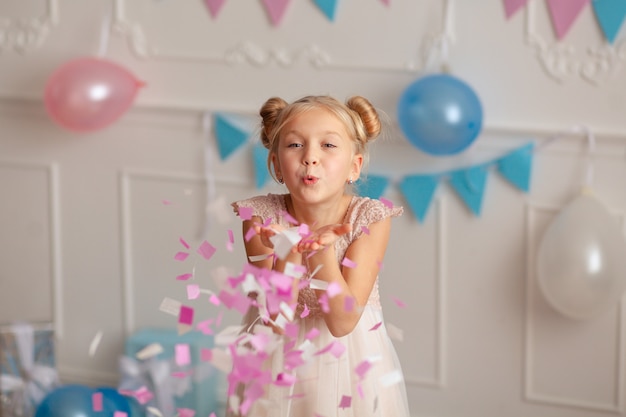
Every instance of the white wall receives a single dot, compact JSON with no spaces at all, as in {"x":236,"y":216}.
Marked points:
{"x":87,"y":243}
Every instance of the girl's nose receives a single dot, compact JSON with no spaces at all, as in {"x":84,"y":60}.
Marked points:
{"x":310,"y":159}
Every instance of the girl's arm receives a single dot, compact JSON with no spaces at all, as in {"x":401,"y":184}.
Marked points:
{"x":367,"y":252}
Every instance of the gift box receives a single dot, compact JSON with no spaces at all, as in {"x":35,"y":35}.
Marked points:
{"x":27,"y":367}
{"x":177,"y":377}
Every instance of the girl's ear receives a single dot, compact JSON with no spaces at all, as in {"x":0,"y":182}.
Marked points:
{"x":276,"y":166}
{"x":357,"y":164}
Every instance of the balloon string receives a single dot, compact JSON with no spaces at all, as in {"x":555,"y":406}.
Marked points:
{"x":441,"y":44}
{"x":105,"y":32}
{"x":209,"y":176}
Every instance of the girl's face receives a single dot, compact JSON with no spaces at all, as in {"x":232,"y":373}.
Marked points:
{"x":315,"y":156}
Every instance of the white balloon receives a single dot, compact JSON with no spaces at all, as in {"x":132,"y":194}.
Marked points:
{"x":581,"y":263}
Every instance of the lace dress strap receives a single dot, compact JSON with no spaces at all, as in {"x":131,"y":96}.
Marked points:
{"x":367,"y":211}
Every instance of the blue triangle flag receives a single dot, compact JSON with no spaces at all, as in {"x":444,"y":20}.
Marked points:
{"x":329,"y":7}
{"x":516,"y":167}
{"x":259,"y":155}
{"x":373,"y":186}
{"x":419,"y":191}
{"x":231,"y":133}
{"x":610,"y":15}
{"x":469,"y":184}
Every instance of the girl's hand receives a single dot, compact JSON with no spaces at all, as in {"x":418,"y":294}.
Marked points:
{"x":322,"y":237}
{"x":265,"y":232}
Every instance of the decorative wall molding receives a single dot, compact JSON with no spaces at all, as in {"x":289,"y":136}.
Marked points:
{"x":560,"y":61}
{"x":439,"y":315}
{"x":51,"y":170}
{"x":530,"y":393}
{"x":24,"y":34}
{"x":249,"y":52}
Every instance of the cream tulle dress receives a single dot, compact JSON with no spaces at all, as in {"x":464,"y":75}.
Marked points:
{"x":324,"y":380}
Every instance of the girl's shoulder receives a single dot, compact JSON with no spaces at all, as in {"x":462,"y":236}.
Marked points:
{"x":263,"y":206}
{"x":365,"y":211}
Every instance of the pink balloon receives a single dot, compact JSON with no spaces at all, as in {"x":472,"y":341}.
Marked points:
{"x":89,"y":93}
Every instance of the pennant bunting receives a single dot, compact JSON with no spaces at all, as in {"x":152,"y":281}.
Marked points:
{"x":564,"y":13}
{"x":328,"y":7}
{"x":373,"y":186}
{"x":512,"y":6}
{"x":231,"y":133}
{"x":259,"y":155}
{"x":214,"y":7}
{"x":610,"y":15}
{"x":516,"y":167}
{"x":469,"y":184}
{"x":276,"y":10}
{"x":418,"y":190}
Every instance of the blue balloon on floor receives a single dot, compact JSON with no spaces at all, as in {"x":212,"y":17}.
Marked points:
{"x":440,"y":114}
{"x":77,"y":401}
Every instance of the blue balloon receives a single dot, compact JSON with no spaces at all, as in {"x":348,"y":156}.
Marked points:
{"x":76,"y":401}
{"x":440,"y":114}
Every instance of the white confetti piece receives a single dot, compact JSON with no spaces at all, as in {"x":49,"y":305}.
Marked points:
{"x":257,"y":258}
{"x":93,"y":346}
{"x":394,"y":332}
{"x":170,"y":306}
{"x":155,"y":411}
{"x":149,"y":351}
{"x":284,"y":241}
{"x":318,"y":284}
{"x":391,"y":378}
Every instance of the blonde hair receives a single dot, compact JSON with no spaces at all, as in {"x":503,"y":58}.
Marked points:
{"x":360,"y":118}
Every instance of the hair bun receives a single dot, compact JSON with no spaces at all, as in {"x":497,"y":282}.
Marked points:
{"x":269,"y":113}
{"x":368,"y":114}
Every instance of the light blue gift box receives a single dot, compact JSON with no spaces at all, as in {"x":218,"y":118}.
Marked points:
{"x":203,"y":393}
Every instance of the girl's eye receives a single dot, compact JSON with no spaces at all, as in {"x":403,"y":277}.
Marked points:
{"x":329,"y":145}
{"x":294,"y":145}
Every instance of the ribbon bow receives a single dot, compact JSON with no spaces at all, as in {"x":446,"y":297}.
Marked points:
{"x":34,"y":381}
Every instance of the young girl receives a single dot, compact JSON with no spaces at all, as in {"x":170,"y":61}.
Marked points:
{"x":317,"y":148}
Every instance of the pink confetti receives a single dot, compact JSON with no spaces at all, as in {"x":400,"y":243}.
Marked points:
{"x":305,"y":312}
{"x":231,"y":236}
{"x":193,"y":291}
{"x":206,"y":250}
{"x":205,"y":326}
{"x":166,"y":202}
{"x":399,"y":302}
{"x":181,"y":256}
{"x":185,"y":244}
{"x":186,"y":315}
{"x":386,"y":202}
{"x":362,"y":368}
{"x":250,"y":234}
{"x":183,"y":355}
{"x":284,"y":379}
{"x":183,"y":277}
{"x":206,"y":355}
{"x":313,"y":333}
{"x":365,"y":230}
{"x":214,"y":299}
{"x":289,"y":217}
{"x":348,"y":304}
{"x":376,"y":326}
{"x":346,"y":401}
{"x":245,"y":213}
{"x":348,"y":263}
{"x":335,"y":348}
{"x":359,"y":389}
{"x":120,"y":414}
{"x":333,"y":289}
{"x":96,"y":401}
{"x":186,"y":412}
{"x":291,"y":330}
{"x":323,"y":301}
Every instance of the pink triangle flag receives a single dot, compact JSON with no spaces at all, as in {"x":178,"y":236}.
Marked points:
{"x":512,"y":6}
{"x":564,"y":13}
{"x":214,"y":7}
{"x":276,"y":10}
